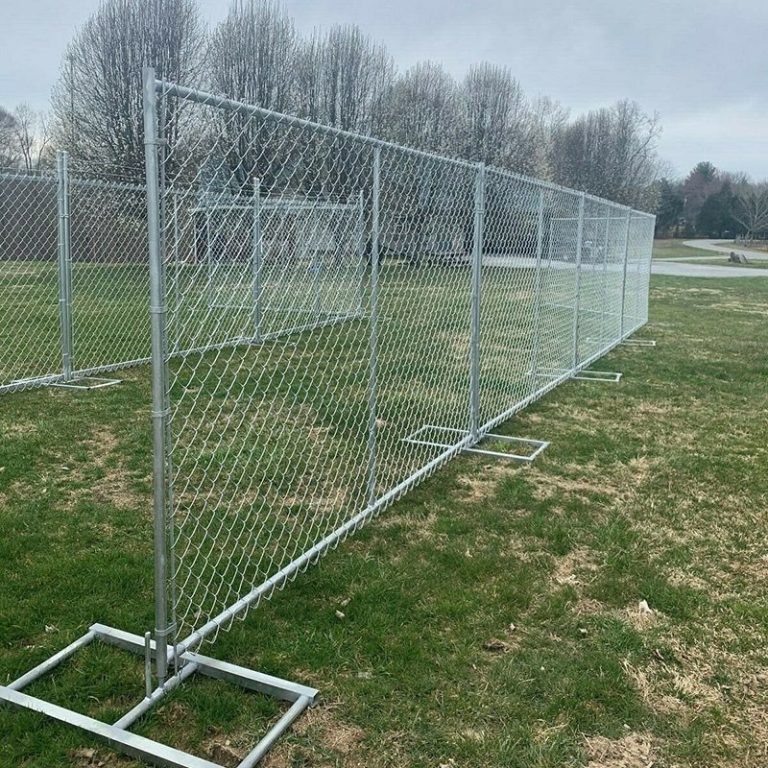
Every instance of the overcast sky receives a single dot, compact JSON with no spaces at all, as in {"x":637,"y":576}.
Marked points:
{"x":700,"y":63}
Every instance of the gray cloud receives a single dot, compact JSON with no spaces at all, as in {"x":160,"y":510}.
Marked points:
{"x":699,"y":63}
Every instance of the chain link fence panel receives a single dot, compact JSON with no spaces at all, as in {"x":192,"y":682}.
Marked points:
{"x":30,"y":332}
{"x":340,"y":316}
{"x":344,"y":316}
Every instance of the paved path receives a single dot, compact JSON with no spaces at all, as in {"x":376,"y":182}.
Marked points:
{"x":680,"y":269}
{"x":681,"y":266}
{"x":721,"y":246}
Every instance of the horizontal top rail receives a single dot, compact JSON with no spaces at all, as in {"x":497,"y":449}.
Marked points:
{"x":166,"y":88}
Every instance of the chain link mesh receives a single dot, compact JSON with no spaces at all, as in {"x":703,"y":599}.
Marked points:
{"x":29,"y":279}
{"x":110,"y":274}
{"x":344,"y":315}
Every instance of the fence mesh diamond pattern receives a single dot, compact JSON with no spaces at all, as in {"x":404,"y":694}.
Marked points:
{"x":340,"y":317}
{"x":344,"y":315}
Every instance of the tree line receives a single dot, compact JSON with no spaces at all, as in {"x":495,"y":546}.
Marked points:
{"x":712,"y":203}
{"x":339,"y":77}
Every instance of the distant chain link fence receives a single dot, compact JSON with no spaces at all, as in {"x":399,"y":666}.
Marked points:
{"x":74,"y":269}
{"x":74,"y":277}
{"x":334,"y":317}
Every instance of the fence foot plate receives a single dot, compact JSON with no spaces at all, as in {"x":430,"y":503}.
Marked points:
{"x":430,"y":435}
{"x":611,"y":377}
{"x":86,"y":383}
{"x":119,"y":737}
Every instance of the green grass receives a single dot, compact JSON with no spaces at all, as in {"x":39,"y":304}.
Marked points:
{"x":674,"y":249}
{"x":652,"y":490}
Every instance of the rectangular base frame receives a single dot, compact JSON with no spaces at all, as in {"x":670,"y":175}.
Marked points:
{"x":118,"y":735}
{"x":85,"y":383}
{"x":611,"y":377}
{"x":538,"y":446}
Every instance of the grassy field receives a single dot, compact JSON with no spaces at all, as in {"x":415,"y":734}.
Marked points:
{"x":674,"y":249}
{"x":490,"y":618}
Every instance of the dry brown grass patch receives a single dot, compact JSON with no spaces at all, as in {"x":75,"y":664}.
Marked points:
{"x":635,"y":750}
{"x":573,"y":568}
{"x":483,"y":482}
{"x":329,"y":742}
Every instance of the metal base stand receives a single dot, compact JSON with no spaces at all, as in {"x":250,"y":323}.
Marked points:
{"x":85,"y":383}
{"x":536,"y":446}
{"x":121,"y":739}
{"x":612,"y":377}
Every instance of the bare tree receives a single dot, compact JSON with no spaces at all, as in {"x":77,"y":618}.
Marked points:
{"x":252,"y":53}
{"x":9,"y":150}
{"x":32,"y":136}
{"x":251,"y":57}
{"x":308,"y":73}
{"x":610,"y":152}
{"x":751,"y":208}
{"x":548,"y":119}
{"x":496,"y":122}
{"x":97,"y":101}
{"x":423,"y":109}
{"x":345,"y":78}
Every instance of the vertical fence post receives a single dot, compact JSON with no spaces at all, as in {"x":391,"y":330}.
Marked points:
{"x":606,"y":308}
{"x":160,"y":404}
{"x":65,"y":264}
{"x":537,"y":294}
{"x":624,"y":281}
{"x":374,"y":330}
{"x":577,"y":301}
{"x":256,"y":259}
{"x":477,"y":270}
{"x":651,"y":225}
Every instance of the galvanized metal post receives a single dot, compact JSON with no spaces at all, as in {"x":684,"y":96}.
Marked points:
{"x":626,"y":259}
{"x":65,"y":265}
{"x":256,"y":259}
{"x":477,"y":270}
{"x":606,"y":308}
{"x":577,"y":301}
{"x":374,"y":330}
{"x":160,"y":409}
{"x":537,"y":294}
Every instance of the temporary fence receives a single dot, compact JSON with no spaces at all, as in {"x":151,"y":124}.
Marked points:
{"x":74,"y":269}
{"x":333,"y":317}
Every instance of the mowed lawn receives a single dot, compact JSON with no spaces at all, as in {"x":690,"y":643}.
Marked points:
{"x":674,"y":249}
{"x":490,"y":618}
